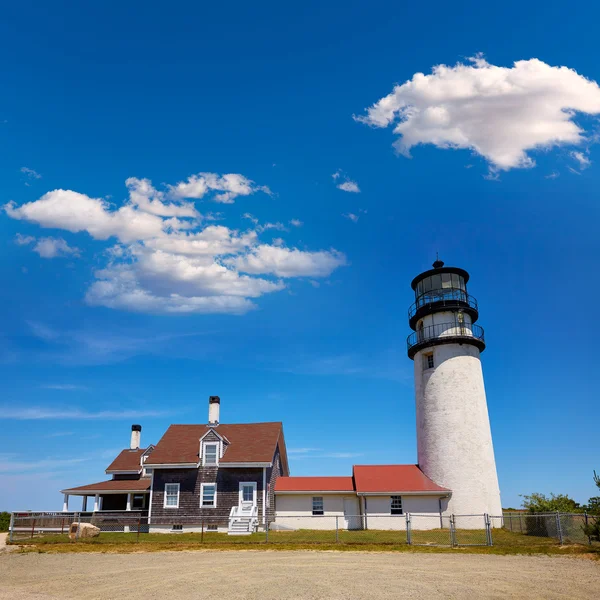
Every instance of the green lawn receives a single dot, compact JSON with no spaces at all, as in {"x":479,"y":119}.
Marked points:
{"x":505,"y":542}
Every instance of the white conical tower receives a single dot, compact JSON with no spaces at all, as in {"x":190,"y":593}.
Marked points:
{"x":453,"y":428}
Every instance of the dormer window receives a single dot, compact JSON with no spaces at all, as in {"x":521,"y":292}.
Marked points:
{"x":211,"y":454}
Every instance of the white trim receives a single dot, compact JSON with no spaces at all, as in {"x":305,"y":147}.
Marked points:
{"x":165,"y":495}
{"x":202,"y":486}
{"x":173,"y":466}
{"x":114,"y":472}
{"x":233,"y":465}
{"x":217,"y":453}
{"x":150,"y":499}
{"x":211,"y":431}
{"x":94,"y":492}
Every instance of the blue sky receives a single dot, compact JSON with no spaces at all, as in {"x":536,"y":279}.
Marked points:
{"x":105,"y":324}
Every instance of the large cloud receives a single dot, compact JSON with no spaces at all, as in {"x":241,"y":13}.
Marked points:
{"x":498,"y":112}
{"x":166,"y":259}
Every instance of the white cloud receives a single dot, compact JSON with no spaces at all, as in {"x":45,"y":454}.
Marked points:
{"x":346,"y":185}
{"x":63,"y":386}
{"x":49,"y":247}
{"x":582,"y":159}
{"x":296,"y":223}
{"x":9,"y":465}
{"x":167,"y":260}
{"x":286,"y":262}
{"x":302,"y":450}
{"x":354,"y":218}
{"x":230,"y":186}
{"x":500,"y":113}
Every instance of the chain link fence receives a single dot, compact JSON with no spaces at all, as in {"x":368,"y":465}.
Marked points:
{"x":509,"y":529}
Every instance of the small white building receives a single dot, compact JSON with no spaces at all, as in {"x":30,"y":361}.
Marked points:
{"x":375,"y":497}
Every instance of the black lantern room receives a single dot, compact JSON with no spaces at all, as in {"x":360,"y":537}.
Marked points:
{"x":443,"y":289}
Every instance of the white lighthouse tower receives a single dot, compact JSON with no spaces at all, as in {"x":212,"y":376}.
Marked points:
{"x":453,"y":427}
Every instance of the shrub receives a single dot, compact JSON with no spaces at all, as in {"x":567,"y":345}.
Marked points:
{"x":4,"y":521}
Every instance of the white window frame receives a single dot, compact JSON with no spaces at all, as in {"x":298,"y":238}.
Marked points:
{"x":165,"y":505}
{"x":254,"y":492}
{"x":392,"y":505}
{"x":204,"y":446}
{"x":202,"y":486}
{"x":322,"y":506}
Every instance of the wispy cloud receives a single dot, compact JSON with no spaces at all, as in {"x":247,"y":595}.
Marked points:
{"x":302,"y":450}
{"x":582,"y":159}
{"x":63,"y":386}
{"x":30,"y":175}
{"x":317,"y":454}
{"x":8,"y":464}
{"x":38,"y":413}
{"x":296,"y":223}
{"x":351,"y":216}
{"x":59,"y":434}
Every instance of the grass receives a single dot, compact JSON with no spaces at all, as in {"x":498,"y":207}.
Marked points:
{"x":505,"y":542}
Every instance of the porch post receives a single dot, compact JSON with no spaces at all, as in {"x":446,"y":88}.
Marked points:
{"x":128,"y":507}
{"x":264,"y":494}
{"x":66,"y":503}
{"x":84,"y":504}
{"x":96,"y":502}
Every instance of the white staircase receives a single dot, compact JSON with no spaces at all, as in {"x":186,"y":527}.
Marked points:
{"x":243,"y":521}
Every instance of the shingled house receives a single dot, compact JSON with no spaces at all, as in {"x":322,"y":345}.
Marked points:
{"x":220,"y":476}
{"x":235,"y":478}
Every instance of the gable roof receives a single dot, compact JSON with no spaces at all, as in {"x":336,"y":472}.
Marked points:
{"x":248,"y":443}
{"x":380,"y":479}
{"x":113,"y":485}
{"x":314,"y":484}
{"x":127,"y":460}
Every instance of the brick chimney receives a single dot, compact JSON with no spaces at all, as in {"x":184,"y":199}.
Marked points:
{"x":136,"y":434}
{"x":214,"y":407}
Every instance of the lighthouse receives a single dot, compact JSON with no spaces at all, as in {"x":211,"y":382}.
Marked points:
{"x":454,"y":439}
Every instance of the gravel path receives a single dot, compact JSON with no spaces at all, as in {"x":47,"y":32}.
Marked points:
{"x":298,"y":575}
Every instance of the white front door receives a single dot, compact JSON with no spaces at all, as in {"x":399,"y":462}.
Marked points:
{"x":247,"y":499}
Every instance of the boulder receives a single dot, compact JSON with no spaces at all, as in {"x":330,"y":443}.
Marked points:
{"x":86,"y":530}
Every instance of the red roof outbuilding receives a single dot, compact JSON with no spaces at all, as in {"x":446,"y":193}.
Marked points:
{"x":389,"y":479}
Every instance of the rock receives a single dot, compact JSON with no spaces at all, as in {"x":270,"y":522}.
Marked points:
{"x":86,"y":530}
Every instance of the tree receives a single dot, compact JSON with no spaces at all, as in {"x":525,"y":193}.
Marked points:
{"x":540,"y":503}
{"x":592,"y":529}
{"x":4,"y":521}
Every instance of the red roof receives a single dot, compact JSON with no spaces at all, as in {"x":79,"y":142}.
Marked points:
{"x":248,"y":443}
{"x":393,"y":478}
{"x":314,"y":484}
{"x":113,"y":485}
{"x":127,"y":460}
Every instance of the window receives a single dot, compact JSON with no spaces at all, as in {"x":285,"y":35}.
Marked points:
{"x":209,"y":494}
{"x":247,"y":493}
{"x":396,"y":505}
{"x":427,"y":361}
{"x":147,"y":471}
{"x":212,"y":527}
{"x":138,"y":501}
{"x":211,"y":454}
{"x":171,"y":495}
{"x":177,"y":528}
{"x":317,"y":507}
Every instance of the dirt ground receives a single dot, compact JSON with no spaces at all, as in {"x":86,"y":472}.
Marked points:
{"x":299,"y":575}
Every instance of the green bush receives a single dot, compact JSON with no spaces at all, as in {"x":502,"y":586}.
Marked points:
{"x":4,"y":521}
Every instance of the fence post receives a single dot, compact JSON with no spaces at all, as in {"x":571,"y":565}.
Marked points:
{"x":408,"y":530}
{"x":586,"y":526}
{"x":32,"y":527}
{"x":559,"y":528}
{"x":78,"y":519}
{"x":202,"y":530}
{"x":452,"y":531}
{"x":337,"y":534}
{"x":488,"y":529}
{"x":138,"y":530}
{"x":521,"y":522}
{"x":267,"y":531}
{"x":510,"y":518}
{"x":12,"y":526}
